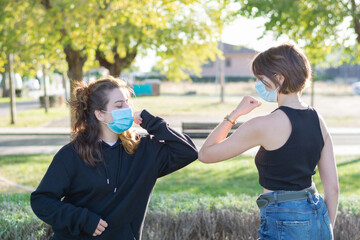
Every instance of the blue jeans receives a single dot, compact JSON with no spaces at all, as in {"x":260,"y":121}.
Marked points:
{"x":296,"y":220}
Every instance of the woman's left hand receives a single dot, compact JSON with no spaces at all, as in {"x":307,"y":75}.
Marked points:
{"x":137,"y":117}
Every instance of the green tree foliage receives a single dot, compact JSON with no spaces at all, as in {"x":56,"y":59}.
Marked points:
{"x":183,"y":33}
{"x":87,"y":33}
{"x":14,"y":24}
{"x":320,"y":27}
{"x":25,"y":33}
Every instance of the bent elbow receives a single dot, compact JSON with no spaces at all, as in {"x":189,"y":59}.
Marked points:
{"x":202,"y":157}
{"x":193,"y":155}
{"x":35,"y":204}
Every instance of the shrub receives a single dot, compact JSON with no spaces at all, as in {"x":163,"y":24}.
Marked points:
{"x":201,"y":224}
{"x":18,"y":222}
{"x":54,"y":100}
{"x":177,"y":216}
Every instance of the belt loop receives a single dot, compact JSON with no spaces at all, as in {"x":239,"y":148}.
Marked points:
{"x":275,"y":199}
{"x":310,"y":198}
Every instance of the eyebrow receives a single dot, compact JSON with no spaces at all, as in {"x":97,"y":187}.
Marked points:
{"x":120,"y":101}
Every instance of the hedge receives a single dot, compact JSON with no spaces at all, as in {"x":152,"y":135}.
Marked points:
{"x":177,"y":216}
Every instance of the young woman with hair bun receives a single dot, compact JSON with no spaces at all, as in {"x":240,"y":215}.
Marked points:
{"x":99,"y":185}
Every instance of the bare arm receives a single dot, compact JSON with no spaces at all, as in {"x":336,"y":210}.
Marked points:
{"x":328,"y":175}
{"x":218,"y":148}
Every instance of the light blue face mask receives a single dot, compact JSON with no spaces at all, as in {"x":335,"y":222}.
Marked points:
{"x":269,"y":96}
{"x":122,"y":120}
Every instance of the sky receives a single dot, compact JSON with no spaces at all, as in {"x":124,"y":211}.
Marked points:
{"x":243,"y":31}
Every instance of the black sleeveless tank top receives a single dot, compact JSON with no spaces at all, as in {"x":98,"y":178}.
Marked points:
{"x":291,"y":166}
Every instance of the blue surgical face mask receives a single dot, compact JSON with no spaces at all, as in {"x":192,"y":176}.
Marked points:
{"x":122,"y":120}
{"x":269,"y":96}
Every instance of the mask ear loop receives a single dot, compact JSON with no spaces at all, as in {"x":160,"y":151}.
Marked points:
{"x":105,"y":112}
{"x":267,"y":84}
{"x":277,"y":89}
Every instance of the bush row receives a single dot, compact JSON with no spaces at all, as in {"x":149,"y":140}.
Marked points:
{"x":177,"y":216}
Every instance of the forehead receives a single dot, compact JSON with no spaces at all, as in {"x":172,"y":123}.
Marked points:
{"x":117,"y":94}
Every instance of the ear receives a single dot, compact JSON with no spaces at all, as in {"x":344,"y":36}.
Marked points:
{"x":280,"y":78}
{"x":99,"y":115}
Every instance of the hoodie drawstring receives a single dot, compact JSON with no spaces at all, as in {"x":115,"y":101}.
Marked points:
{"x":119,"y":166}
{"x":118,"y":171}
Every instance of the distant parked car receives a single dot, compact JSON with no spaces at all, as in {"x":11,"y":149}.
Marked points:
{"x":356,"y":88}
{"x":32,"y":84}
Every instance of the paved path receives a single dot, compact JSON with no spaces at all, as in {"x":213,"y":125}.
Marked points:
{"x":48,"y":140}
{"x":9,"y":186}
{"x":20,"y":107}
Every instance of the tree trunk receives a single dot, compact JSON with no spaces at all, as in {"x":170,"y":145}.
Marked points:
{"x":10,"y":71}
{"x":356,"y":19}
{"x":75,"y":60}
{"x":46,"y":97}
{"x":119,"y":64}
{"x":222,"y":75}
{"x":116,"y":69}
{"x":64,"y":81}
{"x":312,"y":92}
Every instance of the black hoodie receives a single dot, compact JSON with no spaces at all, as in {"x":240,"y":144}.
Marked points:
{"x":72,"y":197}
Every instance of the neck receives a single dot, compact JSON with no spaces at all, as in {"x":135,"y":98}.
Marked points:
{"x":291,"y":100}
{"x":107,"y":135}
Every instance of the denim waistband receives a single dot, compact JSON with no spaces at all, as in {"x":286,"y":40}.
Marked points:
{"x":285,"y":196}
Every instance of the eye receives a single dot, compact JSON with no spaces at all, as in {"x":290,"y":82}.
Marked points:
{"x":119,"y":105}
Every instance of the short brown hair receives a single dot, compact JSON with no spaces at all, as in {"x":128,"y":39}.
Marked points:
{"x":286,"y":60}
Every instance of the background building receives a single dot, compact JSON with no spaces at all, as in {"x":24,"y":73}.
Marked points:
{"x":236,"y":65}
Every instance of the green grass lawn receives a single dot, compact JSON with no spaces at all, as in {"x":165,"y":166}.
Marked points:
{"x":161,"y":106}
{"x":236,"y":176}
{"x":202,"y":106}
{"x":231,"y":184}
{"x":186,"y":105}
{"x":18,"y":99}
{"x":24,"y":169}
{"x":35,"y":117}
{"x":239,"y":176}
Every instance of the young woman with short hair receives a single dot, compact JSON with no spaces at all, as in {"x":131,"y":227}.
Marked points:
{"x":293,"y":140}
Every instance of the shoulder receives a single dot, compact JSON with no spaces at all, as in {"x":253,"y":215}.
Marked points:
{"x":66,"y":154}
{"x":323,"y":127}
{"x":66,"y":150}
{"x":278,"y":118}
{"x":275,"y":118}
{"x":267,"y":126}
